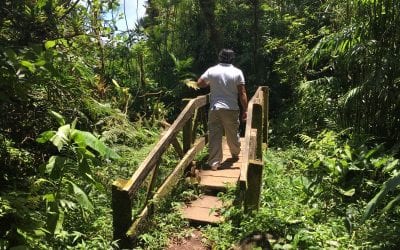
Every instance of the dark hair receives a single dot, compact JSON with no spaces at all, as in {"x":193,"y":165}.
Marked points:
{"x":226,"y":56}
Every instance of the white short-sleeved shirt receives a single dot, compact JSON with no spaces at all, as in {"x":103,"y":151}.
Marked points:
{"x":223,"y":80}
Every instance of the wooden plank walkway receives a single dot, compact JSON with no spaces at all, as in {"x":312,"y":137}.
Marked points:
{"x":206,"y":208}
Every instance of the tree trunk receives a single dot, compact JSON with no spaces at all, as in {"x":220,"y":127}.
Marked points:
{"x":207,"y":8}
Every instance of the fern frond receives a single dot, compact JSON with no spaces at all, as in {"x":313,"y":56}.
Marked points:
{"x":306,"y":139}
{"x":351,"y":95}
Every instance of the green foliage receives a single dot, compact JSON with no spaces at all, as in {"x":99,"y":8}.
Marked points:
{"x":388,"y":186}
{"x":78,"y":156}
{"x":297,"y":216}
{"x":361,"y":57}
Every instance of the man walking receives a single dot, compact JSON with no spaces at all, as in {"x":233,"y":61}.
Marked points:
{"x":227,"y":85}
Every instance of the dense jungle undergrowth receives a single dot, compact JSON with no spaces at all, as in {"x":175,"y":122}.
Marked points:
{"x":316,"y":195}
{"x":83,"y":100}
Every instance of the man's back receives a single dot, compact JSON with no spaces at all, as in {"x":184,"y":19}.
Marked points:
{"x":223,"y":79}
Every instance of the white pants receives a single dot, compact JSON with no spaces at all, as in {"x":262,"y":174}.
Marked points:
{"x":219,"y":121}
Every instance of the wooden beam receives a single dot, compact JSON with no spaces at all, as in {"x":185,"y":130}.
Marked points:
{"x":253,"y":144}
{"x":187,"y":135}
{"x":257,"y":121}
{"x":146,"y":166}
{"x":175,"y":143}
{"x":153,"y":178}
{"x":246,"y":142}
{"x":133,"y":230}
{"x":173,"y":178}
{"x":122,"y":212}
{"x":167,"y":186}
{"x":253,"y":192}
{"x":196,"y":119}
{"x":265,"y":114}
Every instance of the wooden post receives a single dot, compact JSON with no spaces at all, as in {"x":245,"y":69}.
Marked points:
{"x":205,"y":110}
{"x":266,"y":114}
{"x":253,"y":192}
{"x":187,"y":132}
{"x":257,"y":120}
{"x":187,"y":135}
{"x":122,"y":213}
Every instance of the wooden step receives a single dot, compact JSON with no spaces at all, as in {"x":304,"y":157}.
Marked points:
{"x":203,"y":210}
{"x":227,"y":174}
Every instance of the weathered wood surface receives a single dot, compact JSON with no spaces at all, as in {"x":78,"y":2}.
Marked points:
{"x":266,"y":114}
{"x":203,"y":210}
{"x":177,"y":173}
{"x":253,"y":192}
{"x":167,"y":186}
{"x":254,"y":115}
{"x":217,"y":182}
{"x":122,"y":211}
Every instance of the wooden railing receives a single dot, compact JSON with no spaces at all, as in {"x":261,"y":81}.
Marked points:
{"x":256,"y":135}
{"x":123,"y":191}
{"x":256,"y":139}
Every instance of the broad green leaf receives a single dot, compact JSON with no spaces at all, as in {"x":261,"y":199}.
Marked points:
{"x":61,"y":137}
{"x":30,"y":66}
{"x":60,"y":119}
{"x":84,"y":139}
{"x":45,"y":136}
{"x":50,"y":44}
{"x":40,"y":62}
{"x":81,"y":197}
{"x":55,"y":166}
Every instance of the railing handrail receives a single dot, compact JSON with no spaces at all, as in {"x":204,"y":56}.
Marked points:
{"x":260,"y":98}
{"x":153,"y":157}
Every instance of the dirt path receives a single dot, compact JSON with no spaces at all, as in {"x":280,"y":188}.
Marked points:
{"x":192,"y":242}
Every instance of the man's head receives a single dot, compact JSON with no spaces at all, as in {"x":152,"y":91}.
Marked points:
{"x":226,"y":56}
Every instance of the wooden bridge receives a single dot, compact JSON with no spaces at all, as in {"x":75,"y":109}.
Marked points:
{"x":245,"y":174}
